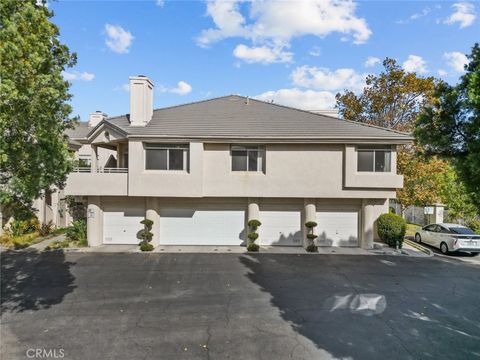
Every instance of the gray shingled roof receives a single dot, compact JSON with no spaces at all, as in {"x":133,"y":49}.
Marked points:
{"x":231,"y":117}
{"x":80,"y":131}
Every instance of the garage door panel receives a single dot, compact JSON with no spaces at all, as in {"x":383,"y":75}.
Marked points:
{"x":337,"y":228}
{"x":201,"y":227}
{"x":280,"y":228}
{"x":122,"y":227}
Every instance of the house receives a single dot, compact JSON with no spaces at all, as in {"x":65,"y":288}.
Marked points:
{"x":201,"y":170}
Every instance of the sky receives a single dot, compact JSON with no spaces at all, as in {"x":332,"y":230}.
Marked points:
{"x":297,"y":53}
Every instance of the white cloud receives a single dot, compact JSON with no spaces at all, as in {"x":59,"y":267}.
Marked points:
{"x":75,"y":75}
{"x":324,"y":79}
{"x":302,"y":99}
{"x":456,"y":60}
{"x":442,"y":72}
{"x":262,"y":54}
{"x":118,"y":39}
{"x":464,"y":14}
{"x":182,"y":88}
{"x":415,"y":63}
{"x":160,"y":3}
{"x":278,"y":22}
{"x":315,"y":51}
{"x":371,"y":61}
{"x":416,"y":16}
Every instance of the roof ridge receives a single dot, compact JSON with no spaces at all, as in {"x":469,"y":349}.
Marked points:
{"x":332,"y":117}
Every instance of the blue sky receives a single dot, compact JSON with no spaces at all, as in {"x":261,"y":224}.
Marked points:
{"x":299,"y":53}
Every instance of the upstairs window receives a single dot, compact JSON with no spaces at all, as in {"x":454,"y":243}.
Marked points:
{"x":84,"y":160}
{"x":374,"y":158}
{"x":166,"y":157}
{"x":248,"y":158}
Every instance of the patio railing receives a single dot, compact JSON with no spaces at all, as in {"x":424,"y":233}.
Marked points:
{"x":101,"y":170}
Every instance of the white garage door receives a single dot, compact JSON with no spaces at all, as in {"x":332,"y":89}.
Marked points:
{"x":280,"y":228}
{"x":122,"y":227}
{"x":338,"y":228}
{"x":201,"y":227}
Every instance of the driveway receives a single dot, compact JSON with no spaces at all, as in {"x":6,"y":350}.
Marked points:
{"x":234,"y":306}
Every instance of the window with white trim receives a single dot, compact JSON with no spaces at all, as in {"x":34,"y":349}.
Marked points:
{"x":248,"y":158}
{"x":84,"y":160}
{"x":166,"y":157}
{"x":374,"y":158}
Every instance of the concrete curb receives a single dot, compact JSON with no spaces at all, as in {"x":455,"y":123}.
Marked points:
{"x":419,"y":247}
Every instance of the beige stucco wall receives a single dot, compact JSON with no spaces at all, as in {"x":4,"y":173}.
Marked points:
{"x":292,"y":170}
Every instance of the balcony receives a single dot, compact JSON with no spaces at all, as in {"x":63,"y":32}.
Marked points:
{"x":84,"y":181}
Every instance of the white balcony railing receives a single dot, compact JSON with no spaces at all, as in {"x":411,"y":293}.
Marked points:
{"x":100,"y":170}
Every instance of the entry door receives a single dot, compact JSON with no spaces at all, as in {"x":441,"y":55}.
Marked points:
{"x":337,"y":228}
{"x":280,"y":228}
{"x":122,"y":226}
{"x":201,"y":227}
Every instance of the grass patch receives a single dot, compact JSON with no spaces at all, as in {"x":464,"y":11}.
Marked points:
{"x":25,"y":240}
{"x":21,"y":241}
{"x":412,"y":229}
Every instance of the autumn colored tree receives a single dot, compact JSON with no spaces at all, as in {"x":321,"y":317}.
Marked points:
{"x":393,"y":99}
{"x":450,"y":126}
{"x":34,"y":109}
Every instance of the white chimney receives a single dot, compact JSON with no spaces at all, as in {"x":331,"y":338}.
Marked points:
{"x":95,"y":118}
{"x":141,"y":100}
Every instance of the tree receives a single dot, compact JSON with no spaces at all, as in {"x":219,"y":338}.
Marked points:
{"x":393,"y":99}
{"x":450,"y":126}
{"x":34,"y":106}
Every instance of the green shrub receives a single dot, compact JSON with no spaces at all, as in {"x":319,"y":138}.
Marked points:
{"x":253,"y":247}
{"x":45,"y":229}
{"x":22,"y":227}
{"x":312,"y":248}
{"x":473,"y":224}
{"x":253,"y":236}
{"x":254,"y":223}
{"x":146,"y":235}
{"x":311,"y":236}
{"x":391,"y":229}
{"x":77,"y":232}
{"x":310,"y":224}
{"x":145,"y":246}
{"x":147,"y":222}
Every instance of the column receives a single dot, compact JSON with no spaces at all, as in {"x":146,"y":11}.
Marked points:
{"x":94,"y":157}
{"x":367,"y":224}
{"x":94,"y":221}
{"x":309,"y":214}
{"x":153,"y":214}
{"x":55,"y":207}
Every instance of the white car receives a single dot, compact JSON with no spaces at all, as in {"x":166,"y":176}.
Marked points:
{"x":449,"y":238}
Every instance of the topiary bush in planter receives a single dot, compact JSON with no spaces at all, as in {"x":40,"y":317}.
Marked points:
{"x":253,"y":235}
{"x":311,"y":247}
{"x":391,"y":229}
{"x":146,"y":235}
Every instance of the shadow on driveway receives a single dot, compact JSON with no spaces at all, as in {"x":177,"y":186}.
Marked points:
{"x":380,"y":307}
{"x":32,"y":280}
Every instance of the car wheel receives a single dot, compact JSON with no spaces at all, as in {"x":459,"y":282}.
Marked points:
{"x":444,"y":248}
{"x":418,"y":238}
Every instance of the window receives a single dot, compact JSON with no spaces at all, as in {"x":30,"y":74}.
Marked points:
{"x":166,"y":157}
{"x":248,"y":158}
{"x":372,"y":158}
{"x":84,"y":160}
